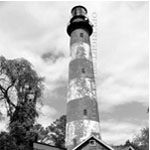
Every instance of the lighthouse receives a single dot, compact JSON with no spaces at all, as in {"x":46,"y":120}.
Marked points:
{"x":82,"y":107}
{"x":83,"y":126}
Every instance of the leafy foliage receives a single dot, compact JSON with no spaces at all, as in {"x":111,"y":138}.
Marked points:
{"x":19,"y":81}
{"x":18,"y":74}
{"x":7,"y":142}
{"x":43,"y":134}
{"x":142,"y":140}
{"x":57,"y":129}
{"x":54,"y":134}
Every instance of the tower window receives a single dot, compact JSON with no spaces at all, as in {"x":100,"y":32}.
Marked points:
{"x":85,"y":112}
{"x":83,"y":70}
{"x":81,"y":34}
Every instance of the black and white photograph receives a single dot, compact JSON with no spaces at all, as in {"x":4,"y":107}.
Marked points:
{"x":74,"y":75}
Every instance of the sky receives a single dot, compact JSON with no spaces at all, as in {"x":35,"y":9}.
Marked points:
{"x":36,"y":31}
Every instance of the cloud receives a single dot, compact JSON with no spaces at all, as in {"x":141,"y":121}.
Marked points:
{"x":122,"y":64}
{"x":27,"y":31}
{"x":50,"y":57}
{"x":116,"y":133}
{"x":46,"y":115}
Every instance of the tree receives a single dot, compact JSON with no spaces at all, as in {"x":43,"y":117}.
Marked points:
{"x":18,"y":77}
{"x":43,"y":134}
{"x":142,"y":140}
{"x":54,"y":134}
{"x":128,"y":143}
{"x":57,"y":129}
{"x":20,"y":88}
{"x":7,"y":142}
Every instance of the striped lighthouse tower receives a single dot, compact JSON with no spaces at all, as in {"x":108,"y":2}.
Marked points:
{"x":82,"y":109}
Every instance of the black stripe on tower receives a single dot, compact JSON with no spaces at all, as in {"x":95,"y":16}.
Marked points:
{"x":81,"y":67}
{"x":83,"y":108}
